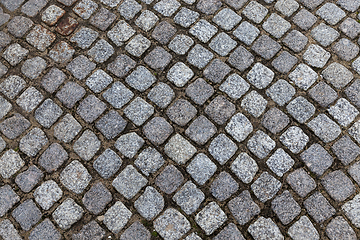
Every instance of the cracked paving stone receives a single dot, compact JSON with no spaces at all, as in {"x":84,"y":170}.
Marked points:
{"x":111,"y":125}
{"x":53,"y":157}
{"x":149,"y":161}
{"x":201,"y":130}
{"x":8,"y":199}
{"x":29,"y":99}
{"x":129,"y":182}
{"x":29,"y":179}
{"x":319,"y":208}
{"x":67,"y":214}
{"x":265,"y":228}
{"x":52,"y":14}
{"x":116,"y":217}
{"x":157,"y":130}
{"x":199,"y":91}
{"x":107,"y":164}
{"x":96,"y":199}
{"x":47,"y":194}
{"x":53,"y":79}
{"x":169,"y":179}
{"x":150,"y":203}
{"x":92,"y":230}
{"x":210,"y":218}
{"x":201,"y":168}
{"x":27,"y":214}
{"x":223,"y":186}
{"x":189,"y":197}
{"x":172,"y":224}
{"x":317,"y":159}
{"x":260,"y":144}
{"x":266,"y":187}
{"x":14,"y":126}
{"x":303,"y":229}
{"x":136,"y":231}
{"x":75,"y":177}
{"x":294,"y":139}
{"x":128,"y":144}
{"x":243,"y":208}
{"x":323,"y":127}
{"x":87,"y":145}
{"x":222,"y":148}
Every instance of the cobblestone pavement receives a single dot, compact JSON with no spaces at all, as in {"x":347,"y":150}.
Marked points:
{"x":179,"y":119}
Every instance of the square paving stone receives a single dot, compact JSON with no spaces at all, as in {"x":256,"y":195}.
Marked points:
{"x":303,"y":76}
{"x":201,"y":168}
{"x":220,"y":109}
{"x":129,"y":8}
{"x":129,"y":182}
{"x":27,"y":214}
{"x":294,"y":139}
{"x":10,"y":163}
{"x":255,"y":11}
{"x":12,"y":86}
{"x":230,"y":232}
{"x":276,"y":25}
{"x":208,"y":6}
{"x":222,"y":44}
{"x":85,"y":8}
{"x":172,"y":224}
{"x":138,"y":111}
{"x":210,"y":218}
{"x":324,"y":34}
{"x":301,"y":182}
{"x":163,"y":32}
{"x":116,"y":217}
{"x":345,"y":150}
{"x":33,"y":67}
{"x":81,"y":67}
{"x":199,"y":56}
{"x":136,"y":231}
{"x":189,"y":197}
{"x":223,"y":186}
{"x":68,"y":213}
{"x":301,"y":109}
{"x":14,"y":54}
{"x":96,"y":199}
{"x":275,"y":120}
{"x":101,"y":51}
{"x":29,"y":99}
{"x":53,"y":79}
{"x":31,"y":8}
{"x":254,"y":103}
{"x":246,"y":32}
{"x":311,"y":4}
{"x":12,"y":5}
{"x":285,"y":207}
{"x":203,"y":30}
{"x":14,"y":126}
{"x":67,"y":2}
{"x":295,"y":40}
{"x":27,"y":180}
{"x":118,"y":95}
{"x":128,"y":144}
{"x":318,"y":207}
{"x":167,"y":7}
{"x":169,"y":179}
{"x":67,"y":128}
{"x":280,"y":162}
{"x":87,"y":145}
{"x":192,"y":236}
{"x":107,"y":164}
{"x":226,"y":19}
{"x":244,"y":167}
{"x":149,"y":161}
{"x":120,"y":33}
{"x":150,"y":203}
{"x":19,"y":25}
{"x":84,"y":37}
{"x":331,"y":13}
{"x":346,"y":49}
{"x":62,"y":52}
{"x":349,"y":5}
{"x":185,"y":17}
{"x":5,"y":40}
{"x":265,"y":187}
{"x":216,"y":71}
{"x":234,"y":86}
{"x":66,"y":26}
{"x":241,"y":58}
{"x":287,"y":7}
{"x":323,"y":94}
{"x":111,"y":125}
{"x":284,"y":62}
{"x":303,"y":229}
{"x":351,"y":209}
{"x":32,"y":142}
{"x":199,"y":91}
{"x":45,"y":231}
{"x":352,"y":92}
{"x":350,"y":27}
{"x":98,"y":81}
{"x":146,"y":20}
{"x":339,"y":228}
{"x":323,"y":127}
{"x":281,"y":92}
{"x":316,"y":56}
{"x":92,"y":230}
{"x":266,"y":47}
{"x":158,"y":58}
{"x":338,"y":185}
{"x":201,"y":130}
{"x":47,"y":194}
{"x":75,"y":177}
{"x":8,"y":199}
{"x":102,"y":19}
{"x":343,"y":112}
{"x":181,"y":44}
{"x":179,"y":74}
{"x":138,"y":45}
{"x":40,"y":37}
{"x":157,"y":130}
{"x":265,"y":228}
{"x":91,"y":108}
{"x":338,"y":75}
{"x":239,"y":127}
{"x":48,"y":113}
{"x":222,"y":148}
{"x":141,"y":78}
{"x":243,"y":207}
{"x":317,"y":159}
{"x":260,"y":76}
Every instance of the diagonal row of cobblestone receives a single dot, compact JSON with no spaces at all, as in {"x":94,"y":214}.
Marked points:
{"x":179,"y":119}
